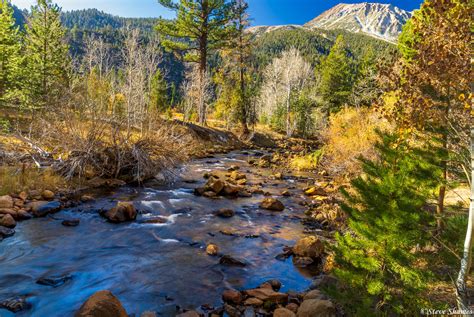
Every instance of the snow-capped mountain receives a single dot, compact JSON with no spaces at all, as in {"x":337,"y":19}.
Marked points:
{"x":376,"y":19}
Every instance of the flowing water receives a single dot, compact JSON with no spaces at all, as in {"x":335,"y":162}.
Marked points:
{"x":158,"y":266}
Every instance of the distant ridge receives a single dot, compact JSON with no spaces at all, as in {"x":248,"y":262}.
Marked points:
{"x":376,"y":19}
{"x":383,"y":21}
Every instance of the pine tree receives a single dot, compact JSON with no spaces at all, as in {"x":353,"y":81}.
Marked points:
{"x":10,"y":55}
{"x":201,"y":27}
{"x":375,"y":259}
{"x":336,"y":76}
{"x":158,"y":92}
{"x":47,"y":54}
{"x":366,"y":88}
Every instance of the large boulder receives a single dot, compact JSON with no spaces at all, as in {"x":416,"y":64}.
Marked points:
{"x":102,"y":304}
{"x":311,"y":247}
{"x":124,"y":211}
{"x":272,"y":204}
{"x":42,"y":208}
{"x":7,"y":221}
{"x":316,"y":307}
{"x":6,"y":202}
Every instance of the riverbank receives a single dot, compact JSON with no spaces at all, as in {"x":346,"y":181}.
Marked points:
{"x":172,"y":226}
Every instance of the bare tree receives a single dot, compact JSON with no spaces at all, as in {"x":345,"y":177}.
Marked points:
{"x":140,"y":62}
{"x":286,"y":76}
{"x":196,"y":89}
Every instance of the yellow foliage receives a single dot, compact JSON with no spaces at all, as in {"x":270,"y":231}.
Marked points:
{"x":351,"y":134}
{"x":306,"y":162}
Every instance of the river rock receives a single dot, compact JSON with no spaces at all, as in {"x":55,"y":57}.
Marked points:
{"x":314,"y":294}
{"x":54,"y":281}
{"x":237,"y":176}
{"x":42,"y":208}
{"x":23,"y":215}
{"x":313,"y":191}
{"x":6,"y":232}
{"x":8,"y":211}
{"x":149,"y":314}
{"x":212,"y":249}
{"x":209,"y":194}
{"x":232,"y":296}
{"x":7,"y":221}
{"x":252,"y":301}
{"x":70,"y":222}
{"x":6,"y":202}
{"x":232,"y":311}
{"x":230,"y":190}
{"x":293,"y":307}
{"x":47,"y":195}
{"x":15,"y":304}
{"x":103,"y":304}
{"x":272,"y":204}
{"x":283,"y":312}
{"x":267,"y":294}
{"x":124,"y":211}
{"x":302,"y":261}
{"x":229,"y":260}
{"x":87,"y":198}
{"x":310,"y":246}
{"x":316,"y":307}
{"x":214,"y":185}
{"x":273,"y":284}
{"x":155,"y":220}
{"x":23,"y":196}
{"x":225,"y":213}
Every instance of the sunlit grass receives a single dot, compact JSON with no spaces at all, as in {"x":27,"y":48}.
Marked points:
{"x":23,"y":178}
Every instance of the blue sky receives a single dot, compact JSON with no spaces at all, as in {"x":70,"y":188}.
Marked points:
{"x":263,"y":12}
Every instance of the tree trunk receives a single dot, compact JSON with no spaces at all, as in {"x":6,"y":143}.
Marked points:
{"x":288,"y":110}
{"x":203,"y":63}
{"x":461,"y":289}
{"x":243,"y":114}
{"x":442,"y":189}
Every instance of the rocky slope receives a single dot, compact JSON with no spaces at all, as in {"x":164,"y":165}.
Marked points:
{"x":376,"y":19}
{"x":383,"y":21}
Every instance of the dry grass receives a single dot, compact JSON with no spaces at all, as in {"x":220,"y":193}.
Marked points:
{"x":25,"y":178}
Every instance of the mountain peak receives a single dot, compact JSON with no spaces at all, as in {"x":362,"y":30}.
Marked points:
{"x":377,"y":19}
